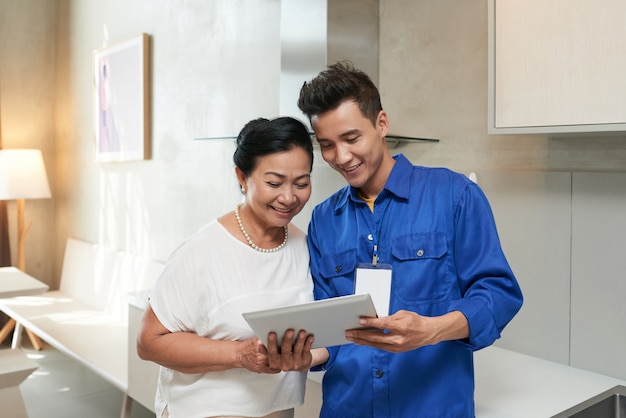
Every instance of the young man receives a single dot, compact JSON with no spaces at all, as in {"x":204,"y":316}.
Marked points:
{"x":452,"y":291}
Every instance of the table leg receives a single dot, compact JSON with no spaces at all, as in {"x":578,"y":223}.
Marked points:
{"x":17,"y":335}
{"x":34,"y":340}
{"x":6,"y":329}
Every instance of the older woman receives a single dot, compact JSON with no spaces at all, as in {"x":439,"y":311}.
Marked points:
{"x":248,"y":259}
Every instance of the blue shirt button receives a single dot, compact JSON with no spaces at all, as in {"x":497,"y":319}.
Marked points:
{"x":420,"y":252}
{"x":379,"y":373}
{"x":370,"y":237}
{"x":338,"y":269}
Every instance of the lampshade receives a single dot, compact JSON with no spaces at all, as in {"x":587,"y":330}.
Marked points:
{"x":23,"y":175}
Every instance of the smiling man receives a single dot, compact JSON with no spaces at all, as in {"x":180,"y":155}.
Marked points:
{"x":452,"y":291}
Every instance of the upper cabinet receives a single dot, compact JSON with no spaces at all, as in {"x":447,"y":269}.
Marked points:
{"x":557,"y":66}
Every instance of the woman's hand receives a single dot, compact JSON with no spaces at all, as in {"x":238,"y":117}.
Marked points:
{"x":187,"y":352}
{"x":292,"y":355}
{"x":252,"y":355}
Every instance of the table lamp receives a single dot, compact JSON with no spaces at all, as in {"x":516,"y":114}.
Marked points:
{"x":22,"y":176}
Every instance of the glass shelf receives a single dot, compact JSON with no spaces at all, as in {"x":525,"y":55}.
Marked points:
{"x":393,"y":141}
{"x":211,"y":138}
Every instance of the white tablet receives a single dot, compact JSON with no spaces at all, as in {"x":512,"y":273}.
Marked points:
{"x":326,"y":319}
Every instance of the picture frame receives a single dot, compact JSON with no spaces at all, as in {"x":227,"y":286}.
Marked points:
{"x":122,"y":100}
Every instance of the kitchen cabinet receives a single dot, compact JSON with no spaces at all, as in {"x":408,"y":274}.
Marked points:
{"x":142,"y":375}
{"x":598,"y":289}
{"x":532,"y":210}
{"x":557,"y":66}
{"x":564,"y":234}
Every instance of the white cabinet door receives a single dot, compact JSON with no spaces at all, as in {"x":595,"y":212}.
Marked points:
{"x":598,"y":289}
{"x":142,"y":375}
{"x":532,"y":212}
{"x":557,"y":66}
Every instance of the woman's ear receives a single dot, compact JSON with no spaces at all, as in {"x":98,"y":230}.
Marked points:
{"x":242,"y":179}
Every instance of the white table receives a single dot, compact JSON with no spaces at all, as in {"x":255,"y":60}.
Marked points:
{"x":15,"y":366}
{"x":14,"y":282}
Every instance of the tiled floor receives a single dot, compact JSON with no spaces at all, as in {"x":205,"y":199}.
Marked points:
{"x":62,"y":387}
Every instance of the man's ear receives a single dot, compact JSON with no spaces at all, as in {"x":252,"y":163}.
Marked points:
{"x":382,"y":123}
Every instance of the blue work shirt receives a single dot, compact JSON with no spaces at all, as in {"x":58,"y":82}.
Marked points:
{"x":435,"y":227}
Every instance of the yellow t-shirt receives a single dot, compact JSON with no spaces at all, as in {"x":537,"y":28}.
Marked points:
{"x":369,"y":201}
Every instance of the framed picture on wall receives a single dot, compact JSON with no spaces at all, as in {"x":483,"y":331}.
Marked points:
{"x":122,"y":100}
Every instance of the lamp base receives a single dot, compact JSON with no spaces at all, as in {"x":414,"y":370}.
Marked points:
{"x":11,"y":324}
{"x":22,"y":231}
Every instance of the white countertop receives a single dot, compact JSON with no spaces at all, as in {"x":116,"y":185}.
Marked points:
{"x":514,"y":385}
{"x":511,"y":384}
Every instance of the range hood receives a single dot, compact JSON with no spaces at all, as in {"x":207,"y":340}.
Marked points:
{"x":316,"y":33}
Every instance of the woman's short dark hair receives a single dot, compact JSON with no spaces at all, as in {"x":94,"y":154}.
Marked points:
{"x":261,"y":137}
{"x":333,"y":86}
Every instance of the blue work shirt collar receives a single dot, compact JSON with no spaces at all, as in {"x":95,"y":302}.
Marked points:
{"x":398,"y":183}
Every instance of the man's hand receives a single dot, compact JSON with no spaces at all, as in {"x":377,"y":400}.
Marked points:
{"x":292,"y":355}
{"x":405,"y":331}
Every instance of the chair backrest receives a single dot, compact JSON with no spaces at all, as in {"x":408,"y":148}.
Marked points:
{"x":103,"y":277}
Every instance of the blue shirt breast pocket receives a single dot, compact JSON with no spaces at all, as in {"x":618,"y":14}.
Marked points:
{"x":337,"y":270}
{"x":422,"y":270}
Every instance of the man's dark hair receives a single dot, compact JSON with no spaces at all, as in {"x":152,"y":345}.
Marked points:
{"x":338,"y":83}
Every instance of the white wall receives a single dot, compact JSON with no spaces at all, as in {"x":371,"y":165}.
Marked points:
{"x":215,"y":65}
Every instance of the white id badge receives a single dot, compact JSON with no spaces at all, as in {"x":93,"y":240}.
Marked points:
{"x":375,"y":280}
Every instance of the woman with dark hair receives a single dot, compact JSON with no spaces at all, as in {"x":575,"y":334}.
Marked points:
{"x":248,"y":259}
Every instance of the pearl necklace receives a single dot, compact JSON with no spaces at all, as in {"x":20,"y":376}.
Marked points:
{"x":252,"y":244}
